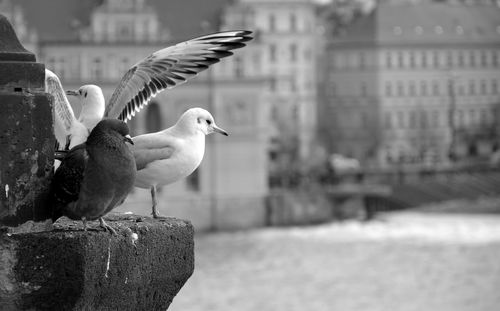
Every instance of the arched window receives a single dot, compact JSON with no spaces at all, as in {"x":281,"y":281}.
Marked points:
{"x":153,"y":118}
{"x":293,"y":22}
{"x":96,"y":69}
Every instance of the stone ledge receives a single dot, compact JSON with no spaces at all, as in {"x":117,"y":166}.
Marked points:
{"x":141,"y":268}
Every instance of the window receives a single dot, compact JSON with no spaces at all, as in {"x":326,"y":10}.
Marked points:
{"x":332,"y":90}
{"x":400,"y":88}
{"x":424,"y":59}
{"x":484,"y":117}
{"x":472,"y":117}
{"x":411,"y":89}
{"x":423,"y":119}
{"x":153,"y":118}
{"x":96,"y":69}
{"x":293,"y":52}
{"x":293,"y":22}
{"x":364,"y":89}
{"x":435,"y":118}
{"x":460,"y":117}
{"x":484,"y":58}
{"x":400,"y":60}
{"x":388,"y":88}
{"x":238,"y":67}
{"x":413,"y":119}
{"x":472,"y":59}
{"x":423,"y":88}
{"x":388,"y":60}
{"x":272,"y":84}
{"x":472,"y":87}
{"x":460,"y":59}
{"x":401,"y":119}
{"x":435,"y":88}
{"x":272,"y":53}
{"x":449,"y":59}
{"x":125,"y":31}
{"x":362,"y":60}
{"x":293,"y":84}
{"x":484,"y":89}
{"x":436,"y":59}
{"x":272,"y":23}
{"x":364,"y":119}
{"x":388,"y":120}
{"x":412,"y":60}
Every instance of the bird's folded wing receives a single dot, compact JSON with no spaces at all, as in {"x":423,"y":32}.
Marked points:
{"x":64,"y":118}
{"x":69,"y":176}
{"x":146,"y":156}
{"x":168,"y":68}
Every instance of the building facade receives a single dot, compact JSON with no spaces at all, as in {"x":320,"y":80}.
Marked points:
{"x":414,"y":82}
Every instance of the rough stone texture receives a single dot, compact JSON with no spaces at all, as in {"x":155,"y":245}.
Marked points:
{"x":70,"y":269}
{"x":26,"y":156}
{"x":26,"y":133}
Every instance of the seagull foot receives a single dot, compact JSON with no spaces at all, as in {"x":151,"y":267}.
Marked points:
{"x":107,"y":227}
{"x":158,"y":216}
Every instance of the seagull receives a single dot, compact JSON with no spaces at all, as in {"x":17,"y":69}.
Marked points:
{"x":165,"y":157}
{"x":163,"y":69}
{"x":68,"y":130}
{"x":96,"y":176}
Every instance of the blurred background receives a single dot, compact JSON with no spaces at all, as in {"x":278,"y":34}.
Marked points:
{"x":362,"y":167}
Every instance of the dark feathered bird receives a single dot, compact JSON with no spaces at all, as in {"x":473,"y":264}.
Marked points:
{"x":96,"y":176}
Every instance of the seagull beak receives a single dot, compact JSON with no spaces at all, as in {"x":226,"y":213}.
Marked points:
{"x":219,"y":130}
{"x":129,"y":139}
{"x":72,"y":93}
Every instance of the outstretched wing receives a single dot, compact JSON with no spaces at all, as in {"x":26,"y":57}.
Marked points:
{"x":64,"y":118}
{"x":170,"y":67}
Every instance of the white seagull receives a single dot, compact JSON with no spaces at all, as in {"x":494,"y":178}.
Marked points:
{"x":167,"y":156}
{"x":164,"y":69}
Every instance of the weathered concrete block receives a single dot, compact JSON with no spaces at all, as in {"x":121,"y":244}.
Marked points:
{"x":141,"y":268}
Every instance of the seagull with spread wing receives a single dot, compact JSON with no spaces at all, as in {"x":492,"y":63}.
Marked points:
{"x":68,"y":130}
{"x":164,"y":69}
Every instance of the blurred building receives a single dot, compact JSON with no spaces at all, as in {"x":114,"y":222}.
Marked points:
{"x":414,"y":82}
{"x":264,"y":93}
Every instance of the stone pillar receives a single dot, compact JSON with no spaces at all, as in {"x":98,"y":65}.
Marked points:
{"x":26,"y":133}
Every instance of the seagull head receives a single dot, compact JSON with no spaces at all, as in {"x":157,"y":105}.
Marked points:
{"x":93,"y":104}
{"x":199,"y":120}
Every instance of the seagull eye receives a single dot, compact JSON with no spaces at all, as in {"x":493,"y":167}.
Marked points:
{"x":80,"y":92}
{"x":85,"y":95}
{"x":199,"y":120}
{"x":209,"y":122}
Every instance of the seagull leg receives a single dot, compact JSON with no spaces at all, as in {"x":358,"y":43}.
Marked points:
{"x":106,"y":226}
{"x":155,"y":213}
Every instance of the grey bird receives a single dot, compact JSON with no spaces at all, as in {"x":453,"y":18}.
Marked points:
{"x":96,"y":176}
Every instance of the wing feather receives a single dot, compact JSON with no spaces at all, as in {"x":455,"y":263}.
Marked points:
{"x":144,"y":157}
{"x":64,"y":117}
{"x":170,"y":67}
